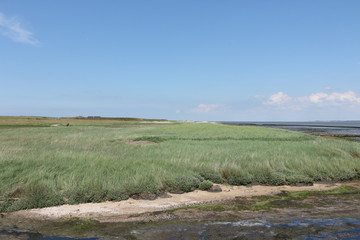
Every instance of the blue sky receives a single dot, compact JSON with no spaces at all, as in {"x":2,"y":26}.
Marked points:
{"x":188,"y":60}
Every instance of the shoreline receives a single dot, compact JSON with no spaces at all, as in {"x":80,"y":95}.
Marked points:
{"x":131,"y":209}
{"x":290,"y":206}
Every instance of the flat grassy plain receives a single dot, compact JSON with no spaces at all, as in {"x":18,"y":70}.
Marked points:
{"x":44,"y":163}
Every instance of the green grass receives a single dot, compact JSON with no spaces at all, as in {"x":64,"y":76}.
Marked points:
{"x":23,"y":125}
{"x":93,"y":161}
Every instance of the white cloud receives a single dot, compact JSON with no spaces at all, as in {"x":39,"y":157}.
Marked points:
{"x":205,"y":108}
{"x":316,"y":97}
{"x":279,"y":98}
{"x":334,"y":98}
{"x":282,"y":100}
{"x":12,"y":28}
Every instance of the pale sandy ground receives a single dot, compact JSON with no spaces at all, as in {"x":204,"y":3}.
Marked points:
{"x":124,"y":210}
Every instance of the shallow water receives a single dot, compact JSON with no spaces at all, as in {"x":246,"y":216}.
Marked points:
{"x":345,"y":129}
{"x":22,"y":235}
{"x":301,"y":229}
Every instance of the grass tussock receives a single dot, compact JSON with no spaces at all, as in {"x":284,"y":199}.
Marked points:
{"x":205,"y":185}
{"x":91,"y":162}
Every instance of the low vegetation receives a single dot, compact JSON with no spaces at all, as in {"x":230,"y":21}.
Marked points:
{"x":91,"y":160}
{"x":284,"y":199}
{"x":205,"y":185}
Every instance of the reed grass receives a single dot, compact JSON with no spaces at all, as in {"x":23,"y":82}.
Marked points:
{"x":92,"y":163}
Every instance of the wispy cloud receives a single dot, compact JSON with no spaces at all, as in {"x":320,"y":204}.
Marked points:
{"x":205,"y":108}
{"x":321,"y":99}
{"x":12,"y":28}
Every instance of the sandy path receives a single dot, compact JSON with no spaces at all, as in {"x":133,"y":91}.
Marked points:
{"x":108,"y":211}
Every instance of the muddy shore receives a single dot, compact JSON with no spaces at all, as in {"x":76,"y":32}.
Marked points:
{"x":124,"y":211}
{"x":186,"y":214}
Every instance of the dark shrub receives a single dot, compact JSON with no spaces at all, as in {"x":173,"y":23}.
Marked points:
{"x":214,"y":176}
{"x":86,"y":194}
{"x":35,"y":196}
{"x":236,"y":177}
{"x":183,"y":183}
{"x":205,"y":185}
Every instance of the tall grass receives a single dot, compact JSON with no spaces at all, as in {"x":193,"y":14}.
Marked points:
{"x":96,"y":163}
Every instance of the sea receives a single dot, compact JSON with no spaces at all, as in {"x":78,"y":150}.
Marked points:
{"x":343,"y":129}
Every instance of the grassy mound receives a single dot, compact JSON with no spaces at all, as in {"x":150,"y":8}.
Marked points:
{"x":93,"y":163}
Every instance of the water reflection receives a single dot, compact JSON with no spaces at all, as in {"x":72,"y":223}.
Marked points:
{"x":301,"y":229}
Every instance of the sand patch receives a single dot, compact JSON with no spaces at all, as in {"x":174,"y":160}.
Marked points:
{"x":124,"y":210}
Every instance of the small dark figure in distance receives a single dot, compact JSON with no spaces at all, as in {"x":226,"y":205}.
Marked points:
{"x":68,"y":124}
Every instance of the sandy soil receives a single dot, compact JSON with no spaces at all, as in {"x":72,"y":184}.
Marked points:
{"x":128,"y":210}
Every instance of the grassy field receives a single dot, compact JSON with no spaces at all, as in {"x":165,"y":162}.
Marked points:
{"x":43,"y":162}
